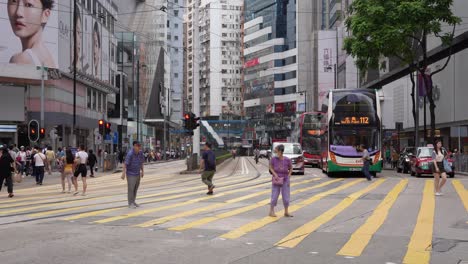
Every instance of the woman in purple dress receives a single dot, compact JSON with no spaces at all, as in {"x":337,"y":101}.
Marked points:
{"x":281,"y":169}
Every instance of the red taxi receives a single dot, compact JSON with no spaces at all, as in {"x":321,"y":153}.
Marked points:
{"x":421,"y":163}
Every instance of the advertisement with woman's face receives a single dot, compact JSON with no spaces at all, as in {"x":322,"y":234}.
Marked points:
{"x":97,"y":49}
{"x":29,"y":33}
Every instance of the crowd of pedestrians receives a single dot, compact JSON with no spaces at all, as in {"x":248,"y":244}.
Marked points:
{"x":18,"y":163}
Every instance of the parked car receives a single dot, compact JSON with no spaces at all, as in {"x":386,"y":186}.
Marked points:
{"x":421,"y":163}
{"x":404,"y":162}
{"x":294,"y":152}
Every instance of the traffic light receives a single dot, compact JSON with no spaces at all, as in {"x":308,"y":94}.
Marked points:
{"x":195,"y":121}
{"x":187,"y":121}
{"x":42,"y":133}
{"x":101,"y":126}
{"x":33,"y":130}
{"x":108,"y":129}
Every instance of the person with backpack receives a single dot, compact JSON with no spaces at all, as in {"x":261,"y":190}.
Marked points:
{"x":208,"y":167}
{"x":92,"y":160}
{"x":133,"y":171}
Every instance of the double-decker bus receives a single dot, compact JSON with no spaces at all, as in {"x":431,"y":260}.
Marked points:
{"x":310,"y":132}
{"x":354,"y":118}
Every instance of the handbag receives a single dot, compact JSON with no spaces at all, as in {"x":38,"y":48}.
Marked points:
{"x":279,"y":181}
{"x":447,"y":167}
{"x":18,"y":178}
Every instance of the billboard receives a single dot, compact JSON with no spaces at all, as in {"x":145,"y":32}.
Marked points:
{"x":326,"y":62}
{"x":41,"y":33}
{"x":29,"y":33}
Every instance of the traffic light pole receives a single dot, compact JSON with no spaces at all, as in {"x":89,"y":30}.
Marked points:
{"x":196,"y":82}
{"x":42,"y":95}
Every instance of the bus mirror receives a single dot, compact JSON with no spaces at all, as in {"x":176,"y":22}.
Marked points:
{"x":324,"y":108}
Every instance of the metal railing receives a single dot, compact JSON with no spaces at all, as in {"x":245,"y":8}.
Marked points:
{"x":461,"y":162}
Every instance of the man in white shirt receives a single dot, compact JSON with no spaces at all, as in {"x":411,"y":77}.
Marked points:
{"x":22,"y":155}
{"x":39,"y":163}
{"x":81,"y":159}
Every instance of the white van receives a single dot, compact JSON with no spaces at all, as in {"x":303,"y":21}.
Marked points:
{"x":293,"y":151}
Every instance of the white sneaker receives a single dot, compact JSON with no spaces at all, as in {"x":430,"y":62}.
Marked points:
{"x":438,"y":194}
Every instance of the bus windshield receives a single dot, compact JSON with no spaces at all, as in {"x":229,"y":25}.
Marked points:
{"x":355,"y":136}
{"x":354,"y":109}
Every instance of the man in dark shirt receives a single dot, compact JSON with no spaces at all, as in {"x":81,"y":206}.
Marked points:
{"x":208,"y":167}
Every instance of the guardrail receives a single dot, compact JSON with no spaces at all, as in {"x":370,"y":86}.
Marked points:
{"x":461,"y":162}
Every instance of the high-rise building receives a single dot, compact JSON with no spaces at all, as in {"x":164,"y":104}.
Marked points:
{"x":279,"y":63}
{"x":175,"y":42}
{"x":218,"y":55}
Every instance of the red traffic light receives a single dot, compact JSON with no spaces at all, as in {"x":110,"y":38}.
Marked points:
{"x":101,"y":122}
{"x":108,"y":125}
{"x":33,"y":131}
{"x":42,"y":131}
{"x":187,"y":116}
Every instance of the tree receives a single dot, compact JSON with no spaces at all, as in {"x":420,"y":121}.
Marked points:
{"x":398,"y":28}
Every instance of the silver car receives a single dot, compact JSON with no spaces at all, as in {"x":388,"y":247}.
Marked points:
{"x":293,"y":151}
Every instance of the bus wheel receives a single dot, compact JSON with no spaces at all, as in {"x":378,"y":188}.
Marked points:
{"x":331,"y":175}
{"x":373,"y":173}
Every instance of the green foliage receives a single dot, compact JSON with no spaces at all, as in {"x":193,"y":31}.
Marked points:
{"x":389,"y":27}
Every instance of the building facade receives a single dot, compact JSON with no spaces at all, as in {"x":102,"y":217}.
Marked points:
{"x":218,"y":56}
{"x":71,"y":110}
{"x":270,"y":76}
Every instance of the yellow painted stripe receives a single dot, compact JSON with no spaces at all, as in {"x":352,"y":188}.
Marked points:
{"x":462,"y":192}
{"x":257,"y":224}
{"x":91,"y":214}
{"x":207,"y":208}
{"x":25,"y":209}
{"x":152,"y":210}
{"x":102,"y":211}
{"x":241,"y":210}
{"x":420,"y":245}
{"x":360,"y":239}
{"x":296,"y":237}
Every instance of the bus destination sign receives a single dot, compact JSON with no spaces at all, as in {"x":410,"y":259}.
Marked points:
{"x":355,"y":120}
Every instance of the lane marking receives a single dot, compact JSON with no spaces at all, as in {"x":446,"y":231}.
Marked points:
{"x":257,"y":224}
{"x":298,"y":235}
{"x":152,"y":210}
{"x":54,"y":211}
{"x":420,"y":245}
{"x":462,"y":192}
{"x":238,"y":211}
{"x":168,"y":218}
{"x":361,"y":237}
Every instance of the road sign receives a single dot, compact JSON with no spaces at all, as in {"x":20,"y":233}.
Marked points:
{"x":98,"y":139}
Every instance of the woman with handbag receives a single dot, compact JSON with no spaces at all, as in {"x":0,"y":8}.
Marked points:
{"x":281,"y":169}
{"x":6,"y":170}
{"x":439,"y":160}
{"x":68,"y":160}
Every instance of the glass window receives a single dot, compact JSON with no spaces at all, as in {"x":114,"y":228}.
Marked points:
{"x":343,"y":136}
{"x":88,"y":98}
{"x":99,"y":100}
{"x":94,"y":100}
{"x":292,"y":149}
{"x":425,"y":152}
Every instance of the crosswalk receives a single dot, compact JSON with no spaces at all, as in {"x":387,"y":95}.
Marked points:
{"x":178,"y":204}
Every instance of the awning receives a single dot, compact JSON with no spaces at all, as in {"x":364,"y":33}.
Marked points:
{"x":8,"y":128}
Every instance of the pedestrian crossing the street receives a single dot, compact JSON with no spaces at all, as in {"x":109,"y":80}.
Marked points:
{"x":241,"y":200}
